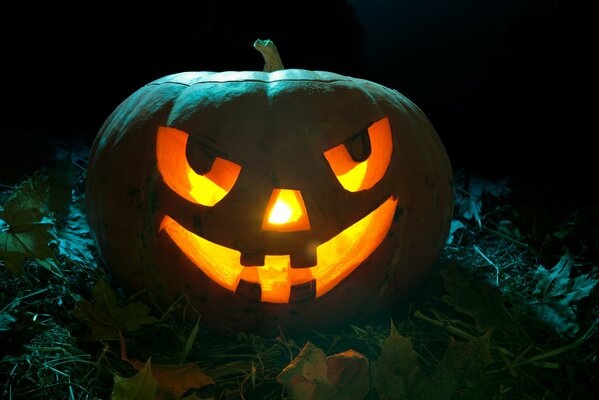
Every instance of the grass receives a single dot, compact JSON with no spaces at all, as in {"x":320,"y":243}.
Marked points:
{"x":542,"y":322}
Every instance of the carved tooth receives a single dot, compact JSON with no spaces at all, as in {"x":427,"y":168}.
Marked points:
{"x":303,"y":292}
{"x":249,"y":290}
{"x":252,"y":259}
{"x":304,"y":259}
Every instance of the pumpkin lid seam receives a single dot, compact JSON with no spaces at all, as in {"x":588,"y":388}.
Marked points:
{"x":254,"y":80}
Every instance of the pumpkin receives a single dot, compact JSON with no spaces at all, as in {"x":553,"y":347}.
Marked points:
{"x":280,"y":198}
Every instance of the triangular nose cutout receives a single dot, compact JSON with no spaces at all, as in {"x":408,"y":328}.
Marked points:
{"x":286,"y":212}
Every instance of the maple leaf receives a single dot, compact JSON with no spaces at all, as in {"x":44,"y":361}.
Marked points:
{"x":311,"y":375}
{"x":477,"y":299}
{"x":556,"y":294}
{"x":472,"y":190}
{"x":27,"y":232}
{"x":175,"y":380}
{"x":106,"y":318}
{"x":467,"y":360}
{"x":141,"y":386}
{"x":397,"y":374}
{"x":172,"y":381}
{"x":74,"y":235}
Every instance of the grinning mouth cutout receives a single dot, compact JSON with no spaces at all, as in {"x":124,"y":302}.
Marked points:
{"x":336,"y":258}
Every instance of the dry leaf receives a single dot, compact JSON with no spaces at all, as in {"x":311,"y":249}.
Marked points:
{"x":311,"y":375}
{"x":348,"y":373}
{"x":106,"y":318}
{"x":304,"y":373}
{"x":172,"y":381}
{"x":141,"y":386}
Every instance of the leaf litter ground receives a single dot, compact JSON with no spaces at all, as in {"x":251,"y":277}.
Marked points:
{"x":510,"y":312}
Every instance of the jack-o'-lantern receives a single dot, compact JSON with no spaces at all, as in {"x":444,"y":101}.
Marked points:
{"x":288,"y":198}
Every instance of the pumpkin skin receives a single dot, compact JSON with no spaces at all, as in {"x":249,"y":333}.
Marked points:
{"x":276,"y":126}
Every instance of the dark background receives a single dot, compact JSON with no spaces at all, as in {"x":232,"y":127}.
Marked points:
{"x":505,"y":82}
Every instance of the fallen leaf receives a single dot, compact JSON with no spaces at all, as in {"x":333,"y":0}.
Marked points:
{"x":141,"y":386}
{"x":467,"y":361}
{"x":172,"y":381}
{"x":106,"y":318}
{"x":27,"y":233}
{"x":469,"y":199}
{"x":313,"y":376}
{"x":397,"y":372}
{"x":307,"y":370}
{"x":455,"y":226}
{"x":348,"y":373}
{"x":74,"y":235}
{"x":556,"y":294}
{"x":175,"y":380}
{"x":477,"y":299}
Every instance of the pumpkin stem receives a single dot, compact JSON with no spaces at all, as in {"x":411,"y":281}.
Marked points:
{"x":272,"y":60}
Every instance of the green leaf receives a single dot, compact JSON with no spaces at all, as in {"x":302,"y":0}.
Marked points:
{"x":141,"y":386}
{"x":106,"y":318}
{"x":27,"y":204}
{"x":477,"y":299}
{"x":190,"y":341}
{"x":28,"y":232}
{"x":556,"y":294}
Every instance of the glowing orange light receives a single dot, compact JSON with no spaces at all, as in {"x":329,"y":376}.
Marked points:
{"x":207,"y":189}
{"x":336,"y":258}
{"x":355,"y":176}
{"x":286,"y":212}
{"x":281,"y":213}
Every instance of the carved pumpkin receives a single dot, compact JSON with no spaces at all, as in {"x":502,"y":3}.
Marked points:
{"x":288,"y":198}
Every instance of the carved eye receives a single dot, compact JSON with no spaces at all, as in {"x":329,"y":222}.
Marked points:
{"x":361,"y":161}
{"x":207,"y":188}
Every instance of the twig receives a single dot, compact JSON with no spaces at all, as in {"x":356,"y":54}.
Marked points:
{"x":506,"y":237}
{"x":562,"y":349}
{"x":490,"y":262}
{"x":18,"y":299}
{"x":553,"y":352}
{"x":443,"y":324}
